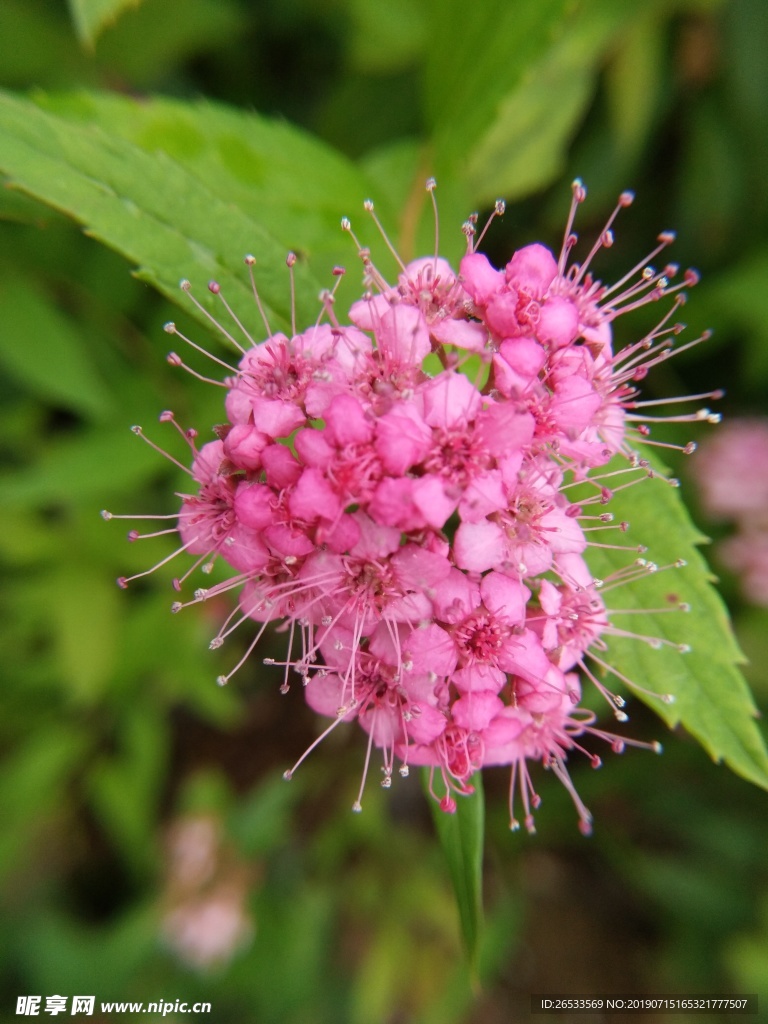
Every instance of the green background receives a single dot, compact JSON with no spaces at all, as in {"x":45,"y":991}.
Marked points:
{"x":113,"y":731}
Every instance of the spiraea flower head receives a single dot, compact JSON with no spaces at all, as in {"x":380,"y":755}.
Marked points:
{"x":415,"y":532}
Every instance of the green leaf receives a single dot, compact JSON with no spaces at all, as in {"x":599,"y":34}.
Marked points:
{"x":33,"y":786}
{"x":739,"y":295}
{"x":299,"y":186}
{"x":92,"y":16}
{"x":398,"y":172}
{"x":462,"y":836}
{"x":84,"y":608}
{"x":54,"y":59}
{"x":62,"y":953}
{"x":191,"y":216}
{"x":633,"y":82}
{"x":711,"y":698}
{"x":386,"y":36}
{"x":505,"y":89}
{"x":125,"y":789}
{"x":40,"y":347}
{"x":153,"y":43}
{"x":65,"y":473}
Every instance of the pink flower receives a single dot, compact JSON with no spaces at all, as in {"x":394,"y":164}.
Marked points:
{"x":732,"y":475}
{"x":732,"y":471}
{"x":411,"y":527}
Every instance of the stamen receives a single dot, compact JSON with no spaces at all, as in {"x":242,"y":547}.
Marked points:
{"x":357,"y":806}
{"x":186,"y":286}
{"x":666,"y":698}
{"x":579,"y":194}
{"x":431,"y":186}
{"x":585,"y":818}
{"x":215,"y":288}
{"x":665,"y":239}
{"x":250,"y":262}
{"x":498,"y":211}
{"x":174,"y":360}
{"x":343,"y":712}
{"x":605,"y":238}
{"x":140,"y":433}
{"x":123,"y":581}
{"x":114,"y":515}
{"x":714,"y":395}
{"x":188,"y":435}
{"x":171,"y":328}
{"x":368,"y":206}
{"x":290,"y":262}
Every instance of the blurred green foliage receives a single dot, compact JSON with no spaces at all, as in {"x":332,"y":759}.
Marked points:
{"x":113,"y":731}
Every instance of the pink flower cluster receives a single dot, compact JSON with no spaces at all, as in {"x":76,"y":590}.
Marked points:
{"x":408,"y":518}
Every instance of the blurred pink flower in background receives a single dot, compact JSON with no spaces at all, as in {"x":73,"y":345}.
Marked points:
{"x":205,"y":920}
{"x":731,"y":472}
